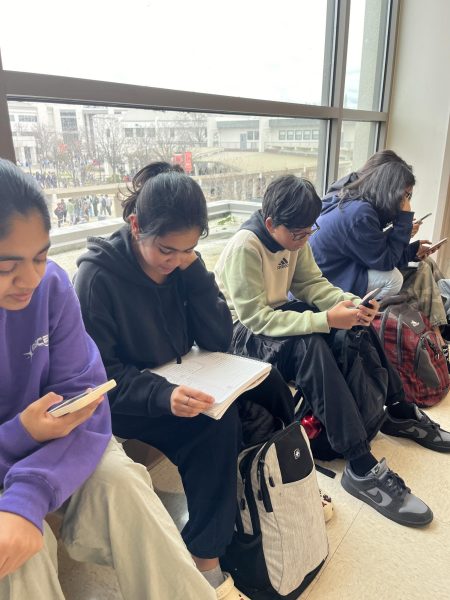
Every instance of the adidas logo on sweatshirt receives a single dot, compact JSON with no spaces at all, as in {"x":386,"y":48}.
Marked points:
{"x":283,"y":264}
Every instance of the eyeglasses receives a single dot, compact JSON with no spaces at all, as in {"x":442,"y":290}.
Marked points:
{"x":408,"y":195}
{"x":296,"y":237}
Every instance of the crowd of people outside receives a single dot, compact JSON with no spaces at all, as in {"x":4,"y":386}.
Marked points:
{"x":76,"y":211}
{"x":49,"y":177}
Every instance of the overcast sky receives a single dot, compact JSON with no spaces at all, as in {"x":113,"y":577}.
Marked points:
{"x":250,"y":48}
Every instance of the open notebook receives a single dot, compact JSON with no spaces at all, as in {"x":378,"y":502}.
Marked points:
{"x":223,"y":376}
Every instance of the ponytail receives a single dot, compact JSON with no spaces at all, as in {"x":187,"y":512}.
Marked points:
{"x":151,"y":170}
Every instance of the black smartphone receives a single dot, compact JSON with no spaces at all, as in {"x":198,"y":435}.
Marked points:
{"x":423,"y":218}
{"x":370,"y":296}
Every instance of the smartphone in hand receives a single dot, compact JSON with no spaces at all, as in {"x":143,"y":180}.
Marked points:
{"x":436,"y":246}
{"x":422,"y":218}
{"x":370,"y":296}
{"x":78,"y":402}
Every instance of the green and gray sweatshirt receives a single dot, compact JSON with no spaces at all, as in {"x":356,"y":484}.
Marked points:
{"x":255,"y":274}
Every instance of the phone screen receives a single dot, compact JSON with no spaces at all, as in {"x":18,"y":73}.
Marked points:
{"x":437,"y":245}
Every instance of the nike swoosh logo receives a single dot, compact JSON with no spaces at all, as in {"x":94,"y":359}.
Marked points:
{"x":414,"y":431}
{"x":379,"y":497}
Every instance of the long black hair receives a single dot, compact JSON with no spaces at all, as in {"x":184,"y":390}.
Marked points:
{"x":164,"y":200}
{"x":380,"y":158}
{"x":19,"y":195}
{"x":384,"y":187}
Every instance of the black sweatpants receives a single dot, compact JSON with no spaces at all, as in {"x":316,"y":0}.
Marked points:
{"x":205,"y":451}
{"x":309,"y":362}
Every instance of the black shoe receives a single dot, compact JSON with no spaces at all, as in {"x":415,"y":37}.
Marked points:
{"x":422,"y":430}
{"x":386,"y":492}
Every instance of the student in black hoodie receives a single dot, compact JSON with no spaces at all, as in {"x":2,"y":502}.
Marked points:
{"x":146,"y":297}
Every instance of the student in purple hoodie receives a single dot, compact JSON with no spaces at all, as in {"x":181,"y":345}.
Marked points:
{"x":111,"y":514}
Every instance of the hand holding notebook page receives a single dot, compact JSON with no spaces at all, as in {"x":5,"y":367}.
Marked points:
{"x":223,"y":376}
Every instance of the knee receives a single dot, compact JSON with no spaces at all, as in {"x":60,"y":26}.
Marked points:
{"x":394,"y":282}
{"x":390,"y":281}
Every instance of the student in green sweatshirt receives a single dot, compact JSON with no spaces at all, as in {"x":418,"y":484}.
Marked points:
{"x":263,"y":264}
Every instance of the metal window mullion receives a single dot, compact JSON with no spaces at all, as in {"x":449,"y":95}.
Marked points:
{"x":338,"y":88}
{"x":392,"y":38}
{"x":354,"y":114}
{"x":6,"y":141}
{"x":67,"y":90}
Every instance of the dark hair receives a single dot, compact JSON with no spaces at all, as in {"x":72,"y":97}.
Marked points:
{"x":19,"y":195}
{"x":291,"y":201}
{"x":165,"y":199}
{"x":380,"y":158}
{"x":384,"y":187}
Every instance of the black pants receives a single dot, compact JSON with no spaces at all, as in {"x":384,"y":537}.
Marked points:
{"x":205,"y":451}
{"x":309,"y":361}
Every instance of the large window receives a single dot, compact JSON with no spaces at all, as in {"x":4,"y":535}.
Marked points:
{"x":307,"y":93}
{"x":366,"y":54}
{"x":184,"y":46}
{"x":357,"y":144}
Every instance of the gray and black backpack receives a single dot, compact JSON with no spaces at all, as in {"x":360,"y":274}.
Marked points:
{"x":280,"y":542}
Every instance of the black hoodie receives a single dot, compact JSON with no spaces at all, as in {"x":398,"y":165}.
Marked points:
{"x":138,"y":324}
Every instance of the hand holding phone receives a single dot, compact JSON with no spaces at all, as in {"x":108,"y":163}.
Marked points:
{"x":436,"y":246}
{"x":71,"y":405}
{"x":370,"y":296}
{"x":420,"y":221}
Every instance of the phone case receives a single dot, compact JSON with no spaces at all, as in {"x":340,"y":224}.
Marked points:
{"x":78,"y":402}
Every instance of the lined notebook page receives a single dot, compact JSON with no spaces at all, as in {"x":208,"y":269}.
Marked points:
{"x":223,"y":376}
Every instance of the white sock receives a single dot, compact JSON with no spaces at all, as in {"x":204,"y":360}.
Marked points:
{"x":214,"y":576}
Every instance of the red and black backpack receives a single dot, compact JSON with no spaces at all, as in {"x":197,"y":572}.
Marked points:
{"x":413,"y":348}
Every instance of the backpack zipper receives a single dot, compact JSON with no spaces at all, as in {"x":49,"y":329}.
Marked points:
{"x":424,"y":338}
{"x":263,"y":491}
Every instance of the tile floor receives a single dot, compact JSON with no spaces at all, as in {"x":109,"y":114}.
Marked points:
{"x":370,"y":557}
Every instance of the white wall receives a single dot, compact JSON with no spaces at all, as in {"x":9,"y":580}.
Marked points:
{"x":419,"y":126}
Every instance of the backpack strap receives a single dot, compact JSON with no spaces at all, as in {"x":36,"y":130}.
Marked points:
{"x":399,"y":339}
{"x":328,"y":472}
{"x":384,"y":323}
{"x":246,"y":473}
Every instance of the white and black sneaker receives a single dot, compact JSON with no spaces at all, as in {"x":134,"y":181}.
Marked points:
{"x":386,"y":492}
{"x":422,"y":430}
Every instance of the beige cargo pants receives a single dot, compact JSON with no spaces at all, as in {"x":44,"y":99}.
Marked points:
{"x":115,"y":519}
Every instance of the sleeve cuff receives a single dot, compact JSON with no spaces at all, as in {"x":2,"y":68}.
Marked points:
{"x":320,"y":322}
{"x":197,"y":275}
{"x":31,"y":499}
{"x":162,"y":400}
{"x":405,"y":217}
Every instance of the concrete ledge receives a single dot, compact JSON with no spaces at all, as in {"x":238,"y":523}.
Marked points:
{"x":74,"y":236}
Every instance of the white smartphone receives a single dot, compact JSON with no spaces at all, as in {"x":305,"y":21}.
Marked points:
{"x":436,"y":246}
{"x":71,"y":405}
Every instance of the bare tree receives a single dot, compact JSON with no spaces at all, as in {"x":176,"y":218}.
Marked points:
{"x":109,"y":139}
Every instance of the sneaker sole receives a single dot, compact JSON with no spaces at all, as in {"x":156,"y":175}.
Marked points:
{"x":401,"y":521}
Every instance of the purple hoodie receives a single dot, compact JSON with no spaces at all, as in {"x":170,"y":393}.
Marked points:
{"x":45,"y":348}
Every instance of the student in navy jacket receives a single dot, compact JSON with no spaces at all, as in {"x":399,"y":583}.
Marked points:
{"x":352,"y":247}
{"x":365,"y":234}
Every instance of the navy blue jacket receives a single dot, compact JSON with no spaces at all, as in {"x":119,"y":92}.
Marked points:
{"x":351,"y":241}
